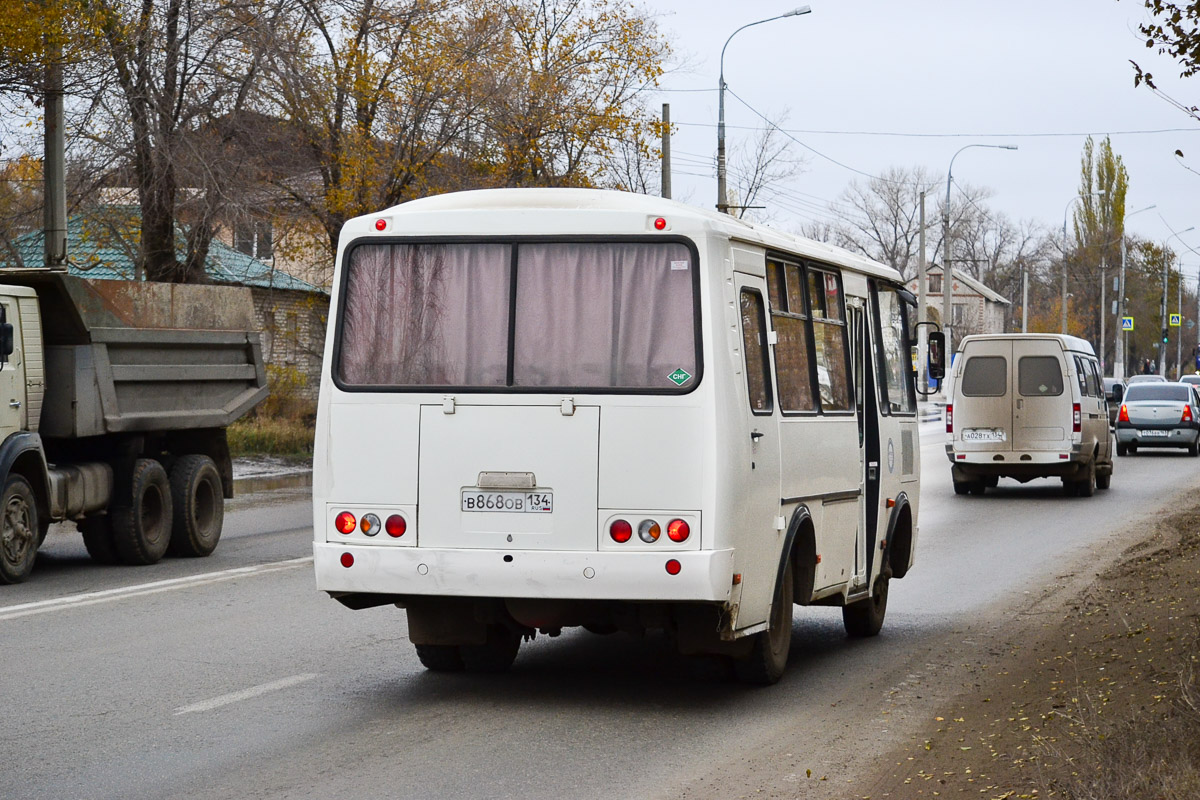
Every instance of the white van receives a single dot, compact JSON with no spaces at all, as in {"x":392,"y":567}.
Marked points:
{"x":544,"y":408}
{"x":1028,"y":406}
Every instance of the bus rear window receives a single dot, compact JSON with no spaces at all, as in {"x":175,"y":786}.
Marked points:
{"x":606,"y":316}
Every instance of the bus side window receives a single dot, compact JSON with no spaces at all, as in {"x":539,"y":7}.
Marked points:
{"x":754,"y":345}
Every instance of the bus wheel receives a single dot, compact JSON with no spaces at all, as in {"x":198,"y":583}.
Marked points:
{"x":494,"y":655}
{"x":440,"y":657}
{"x":768,"y":656}
{"x":865,"y":617}
{"x":962,"y":487}
{"x":98,"y":538}
{"x":979,"y":486}
{"x":142,"y":529}
{"x":18,"y":530}
{"x":199,"y":508}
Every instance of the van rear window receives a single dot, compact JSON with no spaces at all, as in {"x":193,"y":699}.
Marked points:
{"x":985,"y":376}
{"x":1039,"y":376}
{"x":608,"y":316}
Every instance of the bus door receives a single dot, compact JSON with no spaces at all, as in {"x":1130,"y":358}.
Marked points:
{"x":758,"y":451}
{"x":867,"y":412}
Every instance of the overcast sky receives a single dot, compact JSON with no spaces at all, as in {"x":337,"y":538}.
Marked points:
{"x":879,"y":83}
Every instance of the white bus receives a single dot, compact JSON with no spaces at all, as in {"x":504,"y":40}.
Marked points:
{"x":544,"y":408}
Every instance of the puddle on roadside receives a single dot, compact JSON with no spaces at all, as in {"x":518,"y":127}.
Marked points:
{"x":252,"y":484}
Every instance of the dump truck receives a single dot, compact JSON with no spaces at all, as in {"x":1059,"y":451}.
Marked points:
{"x":114,"y":400}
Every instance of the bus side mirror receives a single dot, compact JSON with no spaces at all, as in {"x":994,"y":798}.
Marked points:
{"x":937,"y":355}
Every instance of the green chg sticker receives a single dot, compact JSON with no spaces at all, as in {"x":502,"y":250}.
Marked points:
{"x":680,"y":376}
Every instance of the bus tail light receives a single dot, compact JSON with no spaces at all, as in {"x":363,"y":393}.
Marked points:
{"x":1123,"y":414}
{"x":370,"y":524}
{"x":678,"y":530}
{"x":345,"y":522}
{"x":673,"y":567}
{"x":620,"y":531}
{"x":395,"y":526}
{"x":649,"y":531}
{"x":1076,"y":418}
{"x":949,"y":418}
{"x":347,"y":560}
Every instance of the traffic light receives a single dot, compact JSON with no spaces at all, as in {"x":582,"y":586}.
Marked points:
{"x":1165,"y":335}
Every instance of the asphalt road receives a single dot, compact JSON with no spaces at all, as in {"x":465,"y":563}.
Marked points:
{"x":231,"y":677}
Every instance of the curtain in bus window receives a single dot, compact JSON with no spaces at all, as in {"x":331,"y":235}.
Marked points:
{"x":791,"y":363}
{"x":833,"y":378}
{"x":754,"y":340}
{"x":426,"y":315}
{"x":605,"y":315}
{"x":895,"y":356}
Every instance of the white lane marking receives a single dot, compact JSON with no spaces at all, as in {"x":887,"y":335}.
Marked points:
{"x":245,"y":694}
{"x":138,"y":590}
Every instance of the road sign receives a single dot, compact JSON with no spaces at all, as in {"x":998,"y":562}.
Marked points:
{"x":1175,"y":320}
{"x":1127,"y":323}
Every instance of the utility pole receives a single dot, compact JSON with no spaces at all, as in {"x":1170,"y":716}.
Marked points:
{"x":1162,"y":348}
{"x":1024,"y":297}
{"x":922,"y":311}
{"x":1179,"y":333}
{"x":666,"y":151}
{"x":54,"y":204}
{"x":1103,"y":308}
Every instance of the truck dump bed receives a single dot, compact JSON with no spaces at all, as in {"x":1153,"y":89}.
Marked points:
{"x":126,"y":356}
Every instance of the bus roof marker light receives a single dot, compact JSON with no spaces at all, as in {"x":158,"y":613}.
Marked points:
{"x":660,"y":224}
{"x":381,"y":224}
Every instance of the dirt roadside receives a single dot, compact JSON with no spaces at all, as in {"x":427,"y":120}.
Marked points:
{"x":1096,"y":698}
{"x":1086,"y":691}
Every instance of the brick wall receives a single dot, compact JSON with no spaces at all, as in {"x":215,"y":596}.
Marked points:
{"x":292,"y":327}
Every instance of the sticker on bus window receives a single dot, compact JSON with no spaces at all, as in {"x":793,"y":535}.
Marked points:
{"x":680,"y":376}
{"x":677,"y":265}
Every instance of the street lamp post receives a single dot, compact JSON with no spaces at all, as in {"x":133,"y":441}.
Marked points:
{"x":1162,"y":352}
{"x":1064,"y":251}
{"x":1119,"y":345}
{"x":722,"y":194}
{"x":947,"y":270}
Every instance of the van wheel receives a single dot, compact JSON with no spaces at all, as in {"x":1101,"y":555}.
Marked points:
{"x":142,"y":529}
{"x":1104,"y":479}
{"x":1087,"y":486}
{"x":440,"y":657}
{"x":768,"y":656}
{"x":865,"y":617}
{"x":98,"y":538}
{"x":18,"y":530}
{"x":494,"y":655}
{"x":199,"y":508}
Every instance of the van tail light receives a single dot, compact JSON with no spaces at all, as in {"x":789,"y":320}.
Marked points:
{"x":1076,"y":418}
{"x":949,"y":418}
{"x":1187,"y":414}
{"x":1123,"y":414}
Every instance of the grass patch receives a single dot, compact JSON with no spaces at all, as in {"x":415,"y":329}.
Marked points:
{"x":276,"y":436}
{"x":282,"y":425}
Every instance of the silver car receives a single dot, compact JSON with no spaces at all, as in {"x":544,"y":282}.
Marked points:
{"x":1157,"y":414}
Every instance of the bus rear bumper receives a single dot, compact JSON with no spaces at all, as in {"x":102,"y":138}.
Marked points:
{"x":705,"y":575}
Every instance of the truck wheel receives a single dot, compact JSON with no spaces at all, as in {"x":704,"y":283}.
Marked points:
{"x":494,"y":655}
{"x":142,"y":529}
{"x":199,"y":507}
{"x":18,"y":530}
{"x":98,"y":538}
{"x":865,"y":617}
{"x":440,"y":657}
{"x":768,"y":656}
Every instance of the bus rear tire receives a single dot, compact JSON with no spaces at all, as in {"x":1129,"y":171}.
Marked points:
{"x":494,"y":655}
{"x":767,"y":659}
{"x":864,"y":618}
{"x":440,"y":657}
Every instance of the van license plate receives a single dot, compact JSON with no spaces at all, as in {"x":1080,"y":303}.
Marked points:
{"x":509,"y":502}
{"x":983,"y":435}
{"x":1154,"y":433}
